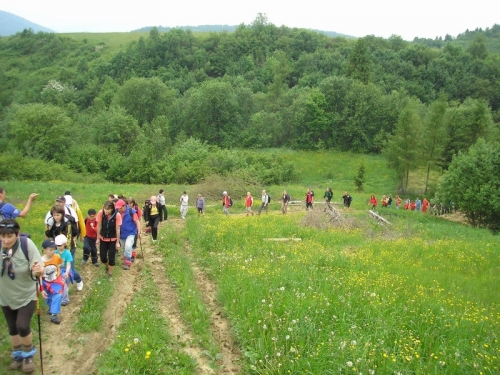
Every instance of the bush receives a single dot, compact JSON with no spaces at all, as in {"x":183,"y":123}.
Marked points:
{"x":472,"y":183}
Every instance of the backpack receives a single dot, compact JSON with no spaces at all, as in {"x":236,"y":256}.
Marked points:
{"x":2,"y":216}
{"x":23,"y":238}
{"x":230,"y":202}
{"x":74,"y":224}
{"x":268,"y":199}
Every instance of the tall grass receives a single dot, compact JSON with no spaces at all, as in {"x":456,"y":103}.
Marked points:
{"x":420,"y":297}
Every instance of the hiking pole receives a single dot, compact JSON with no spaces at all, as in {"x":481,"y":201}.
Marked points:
{"x":140,"y":243}
{"x":38,"y":285}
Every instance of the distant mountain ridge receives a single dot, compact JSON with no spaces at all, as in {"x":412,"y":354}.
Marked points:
{"x":228,"y":28}
{"x":11,"y":24}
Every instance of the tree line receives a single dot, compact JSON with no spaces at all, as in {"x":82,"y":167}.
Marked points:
{"x":172,"y":106}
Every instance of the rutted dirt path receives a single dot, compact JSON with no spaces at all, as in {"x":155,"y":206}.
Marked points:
{"x":67,"y":351}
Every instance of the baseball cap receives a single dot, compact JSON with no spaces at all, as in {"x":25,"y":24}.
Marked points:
{"x":61,"y":198}
{"x":48,"y":243}
{"x":119,"y":203}
{"x":61,"y":239}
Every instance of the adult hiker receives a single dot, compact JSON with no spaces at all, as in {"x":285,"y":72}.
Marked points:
{"x":109,"y":222}
{"x":265,"y":202}
{"x":21,"y":265}
{"x":131,"y":227}
{"x":9,"y":211}
{"x":152,"y":213}
{"x":72,"y":216}
{"x":163,"y":207}
{"x":184,"y":204}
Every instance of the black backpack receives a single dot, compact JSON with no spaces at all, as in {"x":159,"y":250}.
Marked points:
{"x":230,"y":202}
{"x":268,"y":199}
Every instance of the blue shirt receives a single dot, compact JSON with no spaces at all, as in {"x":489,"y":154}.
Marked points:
{"x":66,"y":257}
{"x":9,"y":211}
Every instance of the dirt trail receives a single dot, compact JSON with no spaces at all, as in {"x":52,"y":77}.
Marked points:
{"x":66,"y":351}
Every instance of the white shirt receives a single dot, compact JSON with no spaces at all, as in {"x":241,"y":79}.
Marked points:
{"x":184,"y":200}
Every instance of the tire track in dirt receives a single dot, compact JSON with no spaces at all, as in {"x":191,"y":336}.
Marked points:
{"x":219,"y":323}
{"x":182,"y":335}
{"x":68,"y":351}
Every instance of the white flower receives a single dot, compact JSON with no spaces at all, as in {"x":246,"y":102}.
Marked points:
{"x":349,"y":364}
{"x":264,"y":326}
{"x":136,"y":340}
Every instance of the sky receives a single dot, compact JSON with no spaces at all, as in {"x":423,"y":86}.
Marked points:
{"x":383,"y":18}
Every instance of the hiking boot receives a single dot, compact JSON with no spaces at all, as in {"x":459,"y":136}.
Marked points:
{"x":16,"y":364}
{"x":17,"y":360}
{"x":79,"y":286}
{"x":65,"y":303}
{"x":125,"y":267}
{"x":96,"y":264}
{"x":84,"y":262}
{"x":54,"y":319}
{"x":28,"y":365}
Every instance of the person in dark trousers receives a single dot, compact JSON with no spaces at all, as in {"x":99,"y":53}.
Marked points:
{"x":152,"y":213}
{"x":163,"y":208}
{"x":328,"y":198}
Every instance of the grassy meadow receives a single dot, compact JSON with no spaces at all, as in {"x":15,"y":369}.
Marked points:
{"x":419,"y":296}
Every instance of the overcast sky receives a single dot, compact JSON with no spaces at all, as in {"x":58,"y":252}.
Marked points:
{"x":424,"y":18}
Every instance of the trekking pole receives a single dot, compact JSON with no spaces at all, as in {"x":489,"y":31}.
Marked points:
{"x":38,"y":285}
{"x":140,"y":243}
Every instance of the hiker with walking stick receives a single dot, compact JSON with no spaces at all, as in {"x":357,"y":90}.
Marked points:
{"x":21,"y":265}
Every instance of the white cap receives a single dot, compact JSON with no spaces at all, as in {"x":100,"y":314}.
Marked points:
{"x":61,"y":239}
{"x":224,"y":193}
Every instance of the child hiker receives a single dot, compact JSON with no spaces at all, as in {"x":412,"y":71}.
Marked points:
{"x":52,"y":282}
{"x":66,"y":272}
{"x":89,"y":242}
{"x":249,"y":203}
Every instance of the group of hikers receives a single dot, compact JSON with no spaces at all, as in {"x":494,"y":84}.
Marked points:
{"x":26,"y":273}
{"x":285,"y":200}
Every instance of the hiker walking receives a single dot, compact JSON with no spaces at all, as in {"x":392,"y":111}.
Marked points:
{"x":18,"y":292}
{"x":131,"y":226}
{"x":285,"y":199}
{"x":226,"y":203}
{"x":265,"y":202}
{"x":163,"y":207}
{"x":184,"y":204}
{"x":109,"y":222}
{"x":328,"y":198}
{"x":152,"y":213}
{"x":200,"y":204}
{"x":249,"y":203}
{"x":309,"y":199}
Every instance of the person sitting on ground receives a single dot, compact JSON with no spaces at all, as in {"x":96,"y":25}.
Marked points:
{"x":200,"y":204}
{"x":109,"y":222}
{"x":53,"y":285}
{"x":18,"y":292}
{"x":9,"y":211}
{"x":66,"y":272}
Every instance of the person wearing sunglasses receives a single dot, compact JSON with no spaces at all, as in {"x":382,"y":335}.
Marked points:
{"x":18,"y":292}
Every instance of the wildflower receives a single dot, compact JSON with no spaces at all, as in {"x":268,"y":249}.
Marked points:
{"x":136,"y":340}
{"x":127,"y":349}
{"x":287,"y":337}
{"x":349,"y":364}
{"x":264,"y":327}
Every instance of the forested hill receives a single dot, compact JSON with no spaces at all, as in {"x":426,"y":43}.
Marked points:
{"x":260,"y":86}
{"x":220,"y":28}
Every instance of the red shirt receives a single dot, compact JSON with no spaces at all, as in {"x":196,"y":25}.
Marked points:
{"x":91,"y":227}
